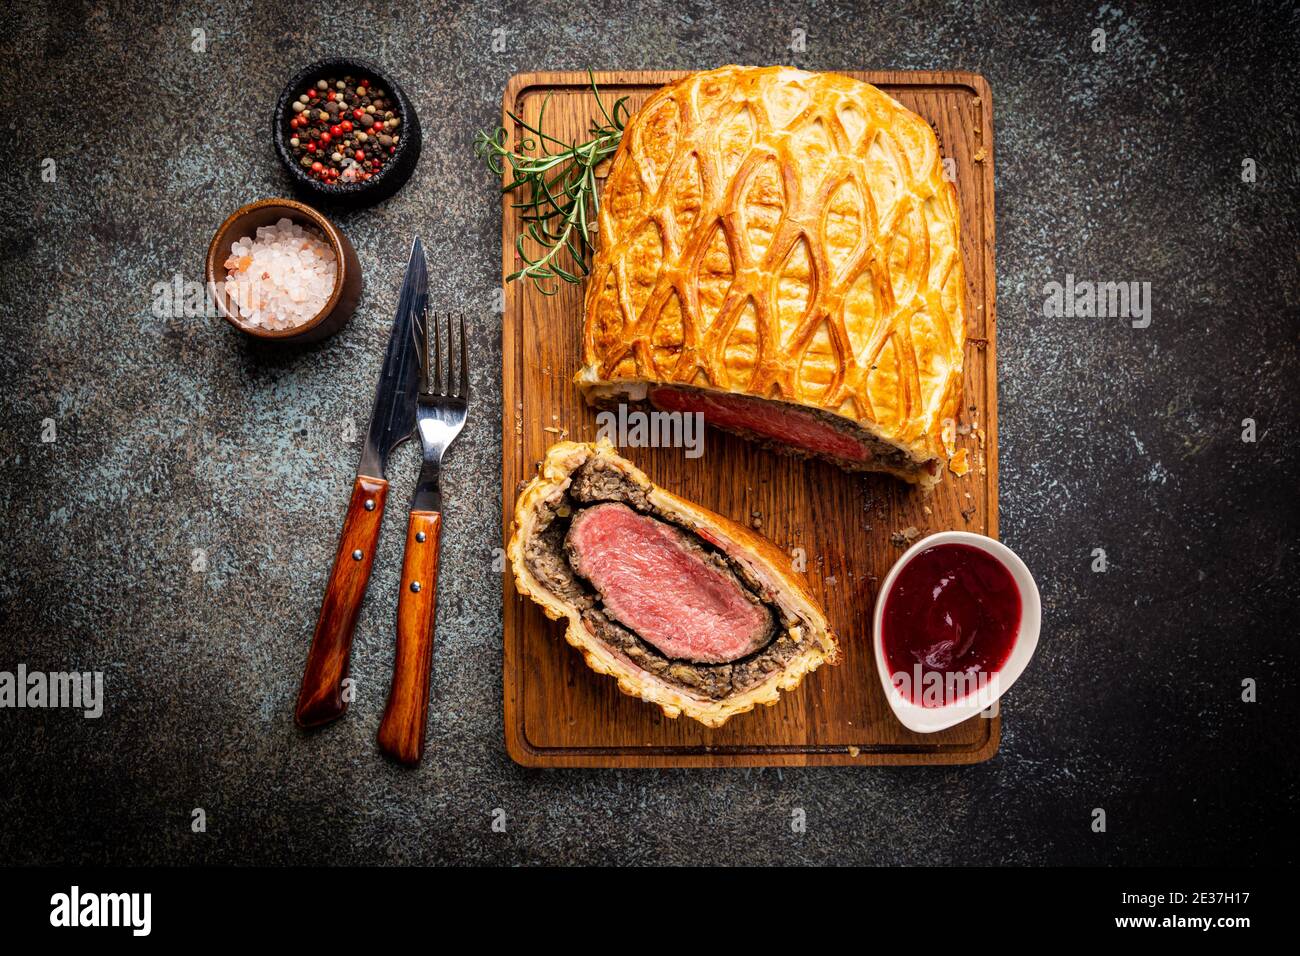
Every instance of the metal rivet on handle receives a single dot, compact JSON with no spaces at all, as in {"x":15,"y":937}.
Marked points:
{"x":419,"y":536}
{"x":357,"y":555}
{"x":370,"y":504}
{"x":415,"y":585}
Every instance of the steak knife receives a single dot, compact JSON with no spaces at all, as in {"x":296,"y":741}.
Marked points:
{"x":392,"y":420}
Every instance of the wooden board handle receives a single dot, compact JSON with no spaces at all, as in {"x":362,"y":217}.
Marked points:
{"x":321,"y":698}
{"x":401,"y":732}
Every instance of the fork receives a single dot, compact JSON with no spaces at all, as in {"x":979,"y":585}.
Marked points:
{"x":442,"y":406}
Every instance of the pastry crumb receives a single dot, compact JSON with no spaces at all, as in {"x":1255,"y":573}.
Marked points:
{"x":958,"y":464}
{"x":905,"y":537}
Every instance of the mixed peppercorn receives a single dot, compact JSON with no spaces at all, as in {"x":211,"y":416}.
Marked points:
{"x":343,"y":130}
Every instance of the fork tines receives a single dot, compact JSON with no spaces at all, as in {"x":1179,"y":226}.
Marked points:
{"x":434,"y":381}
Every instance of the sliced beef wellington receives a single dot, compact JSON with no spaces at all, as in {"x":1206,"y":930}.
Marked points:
{"x":781,"y":251}
{"x":684,"y":608}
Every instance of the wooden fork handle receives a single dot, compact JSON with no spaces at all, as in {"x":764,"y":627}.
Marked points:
{"x":401,"y":732}
{"x":321,"y":698}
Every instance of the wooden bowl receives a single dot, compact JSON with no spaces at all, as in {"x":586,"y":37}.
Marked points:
{"x":347,"y":281}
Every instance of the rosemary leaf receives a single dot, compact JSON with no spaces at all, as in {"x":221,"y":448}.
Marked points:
{"x":554,"y":184}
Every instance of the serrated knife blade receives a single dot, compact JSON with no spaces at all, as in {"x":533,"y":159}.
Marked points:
{"x":392,"y":418}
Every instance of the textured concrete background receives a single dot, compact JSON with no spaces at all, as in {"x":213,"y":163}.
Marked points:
{"x":178,"y":434}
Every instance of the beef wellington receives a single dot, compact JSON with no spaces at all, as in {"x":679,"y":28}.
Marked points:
{"x":781,"y":251}
{"x":686,"y":609}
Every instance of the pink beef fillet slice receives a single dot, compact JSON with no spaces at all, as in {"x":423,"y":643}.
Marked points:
{"x":656,"y":584}
{"x":772,"y":420}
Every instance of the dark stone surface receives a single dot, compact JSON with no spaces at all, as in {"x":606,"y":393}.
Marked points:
{"x":178,"y":434}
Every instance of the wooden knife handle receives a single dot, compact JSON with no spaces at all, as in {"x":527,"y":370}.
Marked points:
{"x":321,"y":698}
{"x":401,"y":732}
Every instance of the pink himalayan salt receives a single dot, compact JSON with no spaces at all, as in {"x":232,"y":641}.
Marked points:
{"x":282,"y":277}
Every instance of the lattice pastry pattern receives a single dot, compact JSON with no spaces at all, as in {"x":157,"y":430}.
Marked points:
{"x":788,"y":235}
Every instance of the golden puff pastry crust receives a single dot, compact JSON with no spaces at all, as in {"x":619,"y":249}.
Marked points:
{"x":804,"y":623}
{"x":789,"y":235}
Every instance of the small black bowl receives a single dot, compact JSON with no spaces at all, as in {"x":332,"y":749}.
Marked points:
{"x":390,"y":178}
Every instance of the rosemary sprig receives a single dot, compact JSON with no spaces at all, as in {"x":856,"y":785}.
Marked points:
{"x":555,"y":183}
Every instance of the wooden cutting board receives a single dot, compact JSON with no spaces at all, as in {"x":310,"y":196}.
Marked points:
{"x":560,"y":714}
